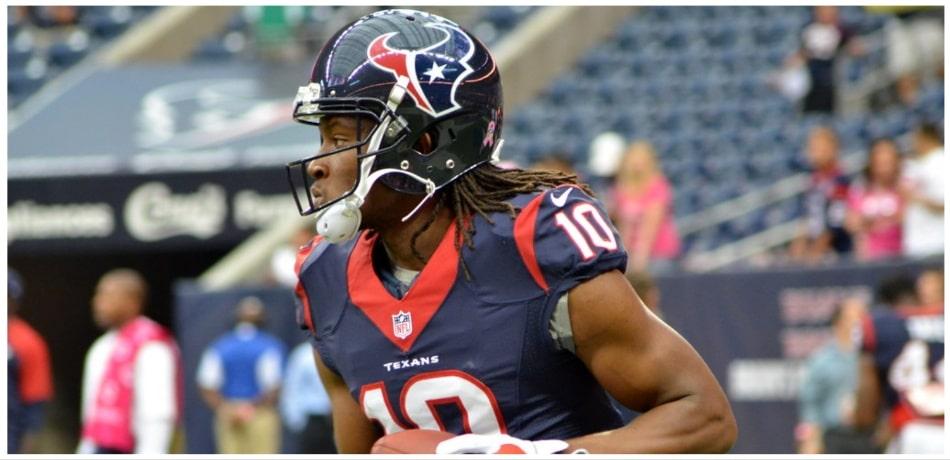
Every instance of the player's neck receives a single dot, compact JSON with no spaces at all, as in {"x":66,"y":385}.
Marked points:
{"x":398,"y":238}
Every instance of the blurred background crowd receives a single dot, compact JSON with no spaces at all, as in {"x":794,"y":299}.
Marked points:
{"x":802,"y":144}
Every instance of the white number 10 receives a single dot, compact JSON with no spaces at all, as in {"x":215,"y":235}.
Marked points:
{"x":584,"y":233}
{"x":424,"y":392}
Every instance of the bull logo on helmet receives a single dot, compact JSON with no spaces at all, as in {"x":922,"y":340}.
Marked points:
{"x":434,"y":71}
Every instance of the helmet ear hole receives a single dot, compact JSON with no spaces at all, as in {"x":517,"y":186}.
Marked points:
{"x":427,"y":142}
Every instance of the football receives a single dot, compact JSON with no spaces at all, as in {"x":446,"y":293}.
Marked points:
{"x":410,"y":442}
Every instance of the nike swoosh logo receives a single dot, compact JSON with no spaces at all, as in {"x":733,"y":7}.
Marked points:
{"x":560,"y":200}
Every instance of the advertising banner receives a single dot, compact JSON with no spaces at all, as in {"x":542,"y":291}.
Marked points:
{"x":153,"y":212}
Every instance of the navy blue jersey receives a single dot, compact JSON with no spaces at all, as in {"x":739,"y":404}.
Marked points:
{"x":468,"y":355}
{"x":907,"y":346}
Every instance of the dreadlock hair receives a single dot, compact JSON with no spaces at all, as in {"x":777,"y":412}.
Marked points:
{"x":485,"y":190}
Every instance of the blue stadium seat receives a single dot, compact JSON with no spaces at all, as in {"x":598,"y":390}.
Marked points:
{"x":23,"y":82}
{"x":13,"y":27}
{"x":107,"y":22}
{"x":65,"y":53}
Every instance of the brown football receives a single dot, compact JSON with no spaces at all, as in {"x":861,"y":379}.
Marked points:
{"x":410,"y":442}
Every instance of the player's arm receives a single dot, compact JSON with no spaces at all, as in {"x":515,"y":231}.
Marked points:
{"x":352,"y":431}
{"x":868,"y":398}
{"x":867,"y":404}
{"x":647,"y":366}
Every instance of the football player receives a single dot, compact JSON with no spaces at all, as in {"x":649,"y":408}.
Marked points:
{"x":446,"y":293}
{"x":902,"y":374}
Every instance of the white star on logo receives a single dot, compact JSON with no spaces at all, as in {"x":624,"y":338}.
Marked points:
{"x":435,"y":72}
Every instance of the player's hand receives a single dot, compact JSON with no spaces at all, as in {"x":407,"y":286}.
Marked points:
{"x":498,"y":444}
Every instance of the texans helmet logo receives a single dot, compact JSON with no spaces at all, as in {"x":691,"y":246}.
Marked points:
{"x":434,"y":71}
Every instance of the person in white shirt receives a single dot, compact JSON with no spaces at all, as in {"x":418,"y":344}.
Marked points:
{"x":120,"y":415}
{"x":922,"y":189}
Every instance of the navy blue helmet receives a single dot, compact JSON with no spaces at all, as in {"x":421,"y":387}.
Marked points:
{"x":410,"y":74}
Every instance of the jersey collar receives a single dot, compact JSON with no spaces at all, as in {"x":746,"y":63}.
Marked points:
{"x":420,"y":303}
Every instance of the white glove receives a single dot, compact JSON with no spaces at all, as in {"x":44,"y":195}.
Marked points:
{"x":497,"y":444}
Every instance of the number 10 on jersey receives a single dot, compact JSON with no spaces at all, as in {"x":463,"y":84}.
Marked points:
{"x":586,"y":228}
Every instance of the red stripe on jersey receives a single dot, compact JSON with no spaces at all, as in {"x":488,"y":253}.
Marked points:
{"x":907,"y":312}
{"x":524,"y":239}
{"x":423,"y":299}
{"x":901,"y":414}
{"x":302,"y":256}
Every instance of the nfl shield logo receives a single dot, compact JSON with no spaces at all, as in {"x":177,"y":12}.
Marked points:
{"x":402,"y":324}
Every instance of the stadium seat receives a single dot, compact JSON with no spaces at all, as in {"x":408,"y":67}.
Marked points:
{"x":65,"y":53}
{"x":108,"y":22}
{"x":42,"y":45}
{"x":27,"y":80}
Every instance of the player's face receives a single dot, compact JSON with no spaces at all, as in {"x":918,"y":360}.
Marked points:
{"x":335,"y":175}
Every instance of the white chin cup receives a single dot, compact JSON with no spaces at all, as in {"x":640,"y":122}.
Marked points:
{"x":340,"y":222}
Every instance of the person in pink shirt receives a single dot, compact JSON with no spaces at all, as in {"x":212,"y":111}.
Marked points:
{"x":875,"y":207}
{"x":643,"y":209}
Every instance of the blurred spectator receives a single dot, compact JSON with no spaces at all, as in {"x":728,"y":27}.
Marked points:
{"x":825,"y":202}
{"x":30,"y":378}
{"x":555,"y":162}
{"x":122,"y":415}
{"x":903,"y":93}
{"x":647,"y":289}
{"x":643,"y":207}
{"x":923,"y":191}
{"x":239,"y":376}
{"x":826,"y":404}
{"x":603,"y":160}
{"x":49,"y":16}
{"x":914,"y":39}
{"x":821,"y":43}
{"x":930,"y":288}
{"x":792,"y":81}
{"x":875,"y":207}
{"x":305,"y":405}
{"x":283,"y":261}
{"x":896,"y":292}
{"x":901,"y":377}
